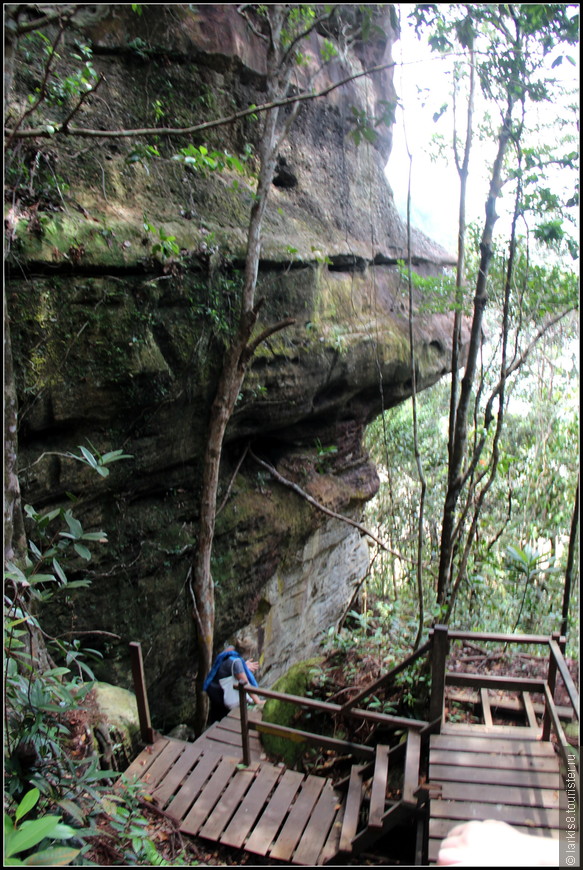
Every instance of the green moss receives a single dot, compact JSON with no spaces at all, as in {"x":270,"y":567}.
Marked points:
{"x":294,"y":682}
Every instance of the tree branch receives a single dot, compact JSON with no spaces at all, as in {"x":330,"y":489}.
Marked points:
{"x":232,"y":481}
{"x":86,"y":133}
{"x":267,"y":332}
{"x":291,"y":485}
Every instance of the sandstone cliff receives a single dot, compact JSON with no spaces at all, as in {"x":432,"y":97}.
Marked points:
{"x":118,"y":340}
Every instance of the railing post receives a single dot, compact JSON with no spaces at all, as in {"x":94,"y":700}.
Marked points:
{"x":244,"y":724}
{"x":438,"y":657}
{"x":146,"y":730}
{"x":551,"y":680}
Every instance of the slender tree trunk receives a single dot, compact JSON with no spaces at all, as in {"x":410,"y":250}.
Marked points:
{"x":570,"y":570}
{"x":463,"y":171}
{"x":14,"y":536}
{"x":459,"y":442}
{"x":231,"y":379}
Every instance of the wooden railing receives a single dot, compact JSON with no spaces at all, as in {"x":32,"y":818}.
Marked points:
{"x":358,"y":749}
{"x":437,"y":648}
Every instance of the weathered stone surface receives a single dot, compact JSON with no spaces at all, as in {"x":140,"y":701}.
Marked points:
{"x":120,"y":348}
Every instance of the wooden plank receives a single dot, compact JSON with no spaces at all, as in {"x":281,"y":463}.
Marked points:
{"x":276,"y":811}
{"x":439,"y":637}
{"x":521,"y":796}
{"x":158,"y":770}
{"x":379,"y":787}
{"x":513,"y":705}
{"x":145,"y":759}
{"x":316,"y":832}
{"x":480,"y":743}
{"x":164,"y":791}
{"x":331,"y":846}
{"x":298,"y":736}
{"x":485,"y":759}
{"x":207,"y":799}
{"x":529,"y":710}
{"x":298,"y":817}
{"x":141,"y":692}
{"x":494,"y":775}
{"x":228,"y":804}
{"x":510,"y":732}
{"x":535,"y":817}
{"x":486,"y":711}
{"x":244,"y":819}
{"x":193,"y":785}
{"x":230,"y":738}
{"x":352,"y":809}
{"x":507,"y":684}
{"x":412,"y":762}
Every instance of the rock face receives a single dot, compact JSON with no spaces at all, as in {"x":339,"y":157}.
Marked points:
{"x":118,"y":338}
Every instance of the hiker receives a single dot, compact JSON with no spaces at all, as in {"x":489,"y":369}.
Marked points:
{"x":492,"y":843}
{"x":228,"y":668}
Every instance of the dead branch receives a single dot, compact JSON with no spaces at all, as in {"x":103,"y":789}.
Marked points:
{"x":232,"y":481}
{"x":291,"y":485}
{"x":42,"y":132}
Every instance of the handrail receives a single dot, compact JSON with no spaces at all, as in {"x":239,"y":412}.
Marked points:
{"x":439,"y":638}
{"x":295,"y":734}
{"x":566,"y":676}
{"x":500,"y":638}
{"x":563,"y":744}
{"x":327,"y":707}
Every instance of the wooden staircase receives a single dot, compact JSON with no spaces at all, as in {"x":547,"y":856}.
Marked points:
{"x":268,"y":810}
{"x":369,"y":814}
{"x":224,"y":789}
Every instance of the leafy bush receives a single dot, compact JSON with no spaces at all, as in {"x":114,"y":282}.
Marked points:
{"x":46,"y":682}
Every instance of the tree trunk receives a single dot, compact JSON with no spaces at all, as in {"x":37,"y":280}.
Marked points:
{"x":229,"y":386}
{"x":459,"y":441}
{"x":14,"y":536}
{"x":569,"y":572}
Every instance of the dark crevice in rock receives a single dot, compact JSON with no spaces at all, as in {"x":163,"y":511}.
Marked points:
{"x":275,"y":265}
{"x":39,"y":269}
{"x":347,"y":263}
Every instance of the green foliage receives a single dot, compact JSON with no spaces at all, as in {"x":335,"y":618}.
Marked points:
{"x":19,"y":838}
{"x":324,"y":453}
{"x":59,"y":88}
{"x":46,"y":681}
{"x":130,"y":827}
{"x":199,"y":159}
{"x":166,"y":246}
{"x":142,"y":154}
{"x":97,"y":461}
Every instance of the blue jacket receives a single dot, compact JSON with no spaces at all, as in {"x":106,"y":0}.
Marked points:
{"x":229,"y":654}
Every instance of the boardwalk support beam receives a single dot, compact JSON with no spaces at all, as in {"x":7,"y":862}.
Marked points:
{"x":146,"y":730}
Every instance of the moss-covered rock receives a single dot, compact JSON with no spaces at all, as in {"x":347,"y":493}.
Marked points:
{"x":117,"y":725}
{"x":294,"y":682}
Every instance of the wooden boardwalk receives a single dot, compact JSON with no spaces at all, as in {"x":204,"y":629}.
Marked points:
{"x":470,"y":771}
{"x":492,"y":772}
{"x":263,"y":808}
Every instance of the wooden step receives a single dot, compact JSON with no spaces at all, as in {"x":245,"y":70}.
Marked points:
{"x":352,"y":809}
{"x":412,"y":763}
{"x":378,"y":793}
